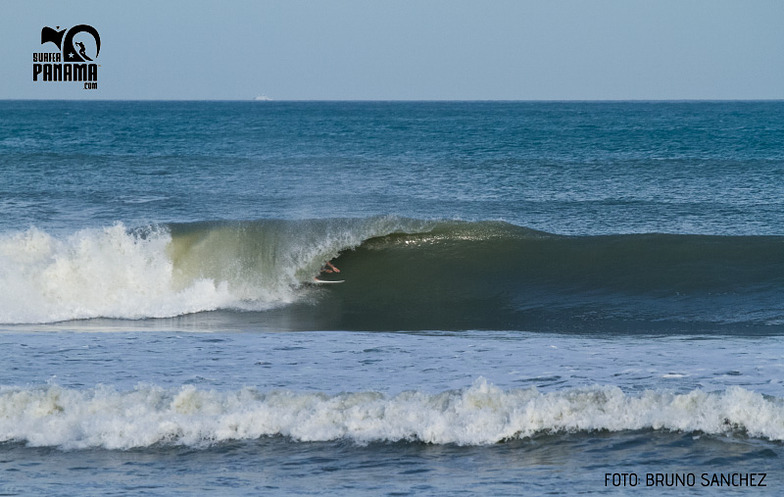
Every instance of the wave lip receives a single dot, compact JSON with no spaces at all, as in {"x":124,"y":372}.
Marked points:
{"x":478,"y":415}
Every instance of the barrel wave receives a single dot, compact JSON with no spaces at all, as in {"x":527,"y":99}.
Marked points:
{"x":401,"y":274}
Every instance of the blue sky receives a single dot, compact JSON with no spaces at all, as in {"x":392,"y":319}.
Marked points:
{"x":410,"y":49}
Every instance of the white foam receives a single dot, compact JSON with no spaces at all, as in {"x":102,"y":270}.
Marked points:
{"x":95,"y":273}
{"x":480,"y":414}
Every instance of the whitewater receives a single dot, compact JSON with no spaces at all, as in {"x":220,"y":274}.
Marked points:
{"x":479,"y":415}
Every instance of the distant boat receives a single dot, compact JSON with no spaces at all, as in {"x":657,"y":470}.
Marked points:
{"x":262,"y":98}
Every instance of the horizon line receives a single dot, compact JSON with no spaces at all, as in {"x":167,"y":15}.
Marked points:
{"x":381,"y":100}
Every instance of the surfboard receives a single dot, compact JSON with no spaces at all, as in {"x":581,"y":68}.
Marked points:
{"x":326,"y":282}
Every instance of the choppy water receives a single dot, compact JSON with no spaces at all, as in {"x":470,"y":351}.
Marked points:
{"x":535,"y":295}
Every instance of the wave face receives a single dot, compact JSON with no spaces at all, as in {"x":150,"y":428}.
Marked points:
{"x":495,"y":275}
{"x":481,"y":414}
{"x":400,"y":274}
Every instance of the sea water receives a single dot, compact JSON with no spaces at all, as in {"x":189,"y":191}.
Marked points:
{"x":539,"y":298}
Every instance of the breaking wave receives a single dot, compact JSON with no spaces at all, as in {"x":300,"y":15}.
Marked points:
{"x":400,"y":274}
{"x":53,"y":416}
{"x":169,"y":270}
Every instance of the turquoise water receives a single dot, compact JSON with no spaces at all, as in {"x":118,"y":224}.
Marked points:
{"x":535,"y":295}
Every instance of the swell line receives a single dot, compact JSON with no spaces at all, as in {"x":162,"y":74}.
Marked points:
{"x":400,"y":274}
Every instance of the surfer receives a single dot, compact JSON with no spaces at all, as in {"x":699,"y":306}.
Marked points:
{"x":328,"y":267}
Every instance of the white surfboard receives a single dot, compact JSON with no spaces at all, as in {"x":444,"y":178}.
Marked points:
{"x":326,"y":282}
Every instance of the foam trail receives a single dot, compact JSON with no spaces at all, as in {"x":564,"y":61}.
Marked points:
{"x":478,"y":415}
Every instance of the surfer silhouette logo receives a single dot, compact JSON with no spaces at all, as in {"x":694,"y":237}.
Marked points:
{"x":82,"y":50}
{"x":64,"y":39}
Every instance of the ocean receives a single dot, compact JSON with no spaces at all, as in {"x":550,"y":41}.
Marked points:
{"x":537,"y":298}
